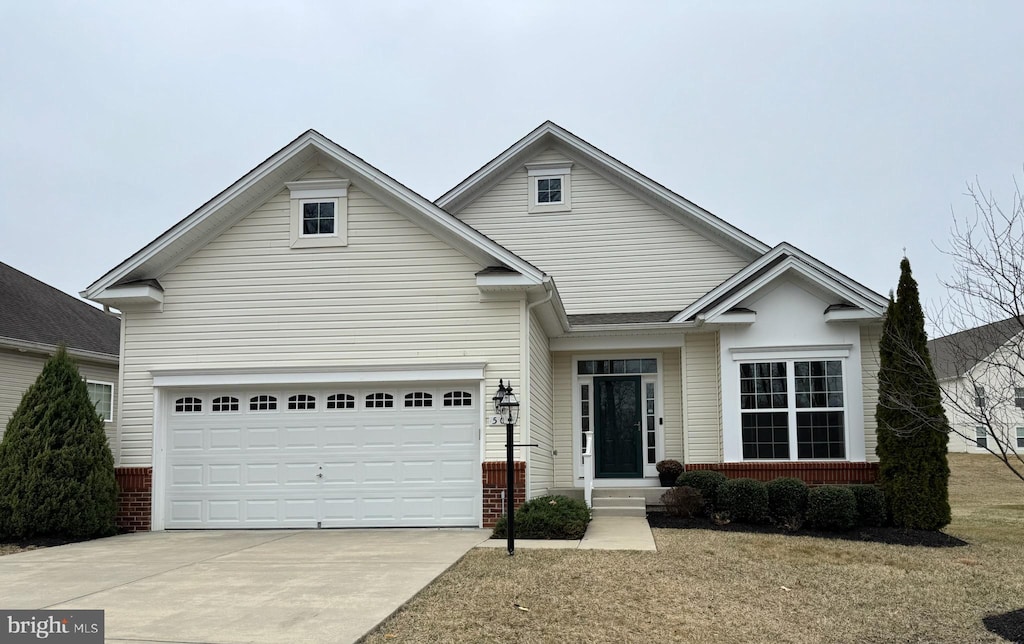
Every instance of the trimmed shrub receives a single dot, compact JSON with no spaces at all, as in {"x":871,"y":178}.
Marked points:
{"x":870,"y":505}
{"x":683,"y":501}
{"x":831,"y":507}
{"x":548,"y":517}
{"x":744,"y":500}
{"x":706,"y":482}
{"x":668,"y":471}
{"x":56,"y":469}
{"x":787,"y":502}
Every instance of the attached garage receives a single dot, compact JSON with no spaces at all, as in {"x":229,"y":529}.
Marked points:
{"x":321,"y":456}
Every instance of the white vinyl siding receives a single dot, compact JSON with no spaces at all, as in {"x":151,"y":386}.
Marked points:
{"x":396,"y":295}
{"x":18,"y":371}
{"x":611,"y":253}
{"x":703,"y":396}
{"x":541,"y":460}
{"x":561,"y":411}
{"x":869,"y":364}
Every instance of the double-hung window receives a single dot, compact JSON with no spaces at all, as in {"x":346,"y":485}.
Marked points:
{"x":792,"y":409}
{"x":102,"y":396}
{"x":1018,"y":397}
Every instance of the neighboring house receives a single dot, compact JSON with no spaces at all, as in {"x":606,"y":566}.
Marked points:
{"x":318,"y":345}
{"x":981,"y":374}
{"x":34,"y":319}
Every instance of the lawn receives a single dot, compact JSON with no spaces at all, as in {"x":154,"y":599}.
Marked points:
{"x":728,"y":587}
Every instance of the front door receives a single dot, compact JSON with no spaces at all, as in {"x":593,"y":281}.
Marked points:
{"x":617,"y":435}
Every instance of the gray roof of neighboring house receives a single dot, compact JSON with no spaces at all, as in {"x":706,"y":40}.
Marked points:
{"x":32,"y":311}
{"x":587,"y":319}
{"x":955,"y":354}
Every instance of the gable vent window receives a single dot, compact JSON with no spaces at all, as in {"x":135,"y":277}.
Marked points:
{"x":458,"y":399}
{"x":224,"y":403}
{"x":188,"y":405}
{"x":550,"y":186}
{"x":301,"y":402}
{"x":263,"y":402}
{"x":319,"y":213}
{"x":419,"y":399}
{"x":380,"y":401}
{"x":341,"y":401}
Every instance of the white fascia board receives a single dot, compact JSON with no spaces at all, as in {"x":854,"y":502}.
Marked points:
{"x":803,"y":352}
{"x":420,"y":205}
{"x":118,"y":296}
{"x":502,"y":280}
{"x":597,"y":157}
{"x":849,"y":315}
{"x":185,"y":225}
{"x":730,"y":317}
{"x":611,"y":342}
{"x":25,"y":346}
{"x":256,"y":377}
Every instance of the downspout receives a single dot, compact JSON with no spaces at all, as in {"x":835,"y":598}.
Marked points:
{"x":526,"y":376}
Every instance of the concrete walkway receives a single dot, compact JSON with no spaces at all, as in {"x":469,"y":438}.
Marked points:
{"x":603,"y":533}
{"x":235,"y":586}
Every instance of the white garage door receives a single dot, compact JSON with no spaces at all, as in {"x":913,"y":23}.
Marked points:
{"x":344,"y":457}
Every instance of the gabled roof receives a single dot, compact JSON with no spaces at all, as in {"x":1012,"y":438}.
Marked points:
{"x":955,"y":354}
{"x":551,"y":135}
{"x":268,"y":178}
{"x":785,"y":258}
{"x":34,"y":313}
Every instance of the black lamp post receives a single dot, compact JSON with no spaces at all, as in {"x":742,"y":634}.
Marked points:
{"x":506,"y":406}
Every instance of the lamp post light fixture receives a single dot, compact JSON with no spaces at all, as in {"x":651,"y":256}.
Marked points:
{"x":506,"y":406}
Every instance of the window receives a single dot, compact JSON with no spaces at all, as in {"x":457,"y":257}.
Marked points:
{"x":319,"y":213}
{"x":584,"y":417}
{"x":419,"y":399}
{"x":1018,"y":397}
{"x":649,"y":418}
{"x":458,"y":399}
{"x":1020,"y":437}
{"x":300,"y":402}
{"x":787,"y":402}
{"x":604,"y":367}
{"x":317,"y":218}
{"x":263,"y":402}
{"x":224,"y":403}
{"x":341,"y":401}
{"x":188,"y":405}
{"x":102,"y":396}
{"x":980,"y":437}
{"x":979,"y":396}
{"x":380,"y":401}
{"x":550,"y":187}
{"x":549,"y":190}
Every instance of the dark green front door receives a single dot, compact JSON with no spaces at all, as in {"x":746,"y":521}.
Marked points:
{"x":617,"y":432}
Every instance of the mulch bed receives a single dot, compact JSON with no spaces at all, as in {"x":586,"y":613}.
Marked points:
{"x":1009,"y":626}
{"x":895,"y":536}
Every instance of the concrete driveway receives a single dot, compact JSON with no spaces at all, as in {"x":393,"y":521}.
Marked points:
{"x":236,"y":586}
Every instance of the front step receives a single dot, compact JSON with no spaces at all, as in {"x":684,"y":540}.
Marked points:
{"x":616,"y":506}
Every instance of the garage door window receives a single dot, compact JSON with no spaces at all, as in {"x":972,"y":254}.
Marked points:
{"x":380,"y":401}
{"x":341,"y":401}
{"x":263,"y":403}
{"x":224,"y":403}
{"x":188,"y":405}
{"x":301,"y":402}
{"x":458,"y":399}
{"x":419,"y":399}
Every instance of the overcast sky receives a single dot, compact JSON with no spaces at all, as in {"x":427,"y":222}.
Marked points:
{"x":849,"y":129}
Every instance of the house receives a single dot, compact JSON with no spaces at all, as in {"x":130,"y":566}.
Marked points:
{"x":981,"y":374}
{"x":35,"y":319}
{"x":318,"y":345}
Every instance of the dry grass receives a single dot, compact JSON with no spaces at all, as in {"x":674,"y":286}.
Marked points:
{"x":11,"y":548}
{"x":727,"y":587}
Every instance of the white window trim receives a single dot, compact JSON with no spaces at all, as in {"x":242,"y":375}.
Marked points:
{"x":560,"y":170}
{"x":649,"y":469}
{"x":732,"y":433}
{"x":980,"y":433}
{"x":106,"y":384}
{"x":319,"y":191}
{"x":1018,"y":438}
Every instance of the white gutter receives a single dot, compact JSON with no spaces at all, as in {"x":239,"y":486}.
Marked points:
{"x":26,"y":346}
{"x":525,"y":378}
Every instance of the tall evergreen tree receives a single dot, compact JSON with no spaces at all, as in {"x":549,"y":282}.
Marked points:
{"x":56,"y":469}
{"x":912,"y":427}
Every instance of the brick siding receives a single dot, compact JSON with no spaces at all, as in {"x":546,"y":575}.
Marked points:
{"x":494,"y":484}
{"x":813,"y":473}
{"x":134,"y":498}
